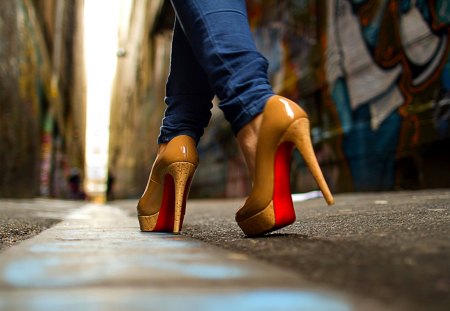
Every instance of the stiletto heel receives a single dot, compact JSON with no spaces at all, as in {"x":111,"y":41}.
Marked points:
{"x":298,"y":133}
{"x":181,"y":173}
{"x":269,"y":206}
{"x":162,"y":206}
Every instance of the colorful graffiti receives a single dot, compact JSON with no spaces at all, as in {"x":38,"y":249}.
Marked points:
{"x":374,"y":76}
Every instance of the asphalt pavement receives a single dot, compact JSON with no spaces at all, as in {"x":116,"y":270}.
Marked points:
{"x":370,"y":251}
{"x":25,"y":218}
{"x":391,"y":246}
{"x":97,"y":259}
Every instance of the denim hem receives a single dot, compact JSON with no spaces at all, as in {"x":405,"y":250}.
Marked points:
{"x":165,"y":138}
{"x":249,"y":114}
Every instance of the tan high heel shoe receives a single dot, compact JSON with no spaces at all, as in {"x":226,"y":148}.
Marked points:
{"x":269,"y":206}
{"x":161,"y":208}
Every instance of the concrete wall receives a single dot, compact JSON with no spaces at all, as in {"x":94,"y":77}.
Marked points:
{"x":41,"y":96}
{"x":138,"y":106}
{"x":138,"y":94}
{"x":373,"y":75}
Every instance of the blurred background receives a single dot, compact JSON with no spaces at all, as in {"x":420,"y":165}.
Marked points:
{"x":374,"y":75}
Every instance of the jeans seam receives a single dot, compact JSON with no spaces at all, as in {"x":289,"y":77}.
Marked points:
{"x":190,"y":93}
{"x":229,"y":10}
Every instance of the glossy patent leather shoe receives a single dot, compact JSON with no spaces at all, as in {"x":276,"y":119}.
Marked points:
{"x":162,"y":206}
{"x":269,"y":206}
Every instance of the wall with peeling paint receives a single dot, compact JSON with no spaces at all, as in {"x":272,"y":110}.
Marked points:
{"x":41,"y":97}
{"x":138,"y":94}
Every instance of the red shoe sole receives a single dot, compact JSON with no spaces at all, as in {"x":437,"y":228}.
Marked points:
{"x":166,"y":217}
{"x":282,"y":199}
{"x":166,"y":212}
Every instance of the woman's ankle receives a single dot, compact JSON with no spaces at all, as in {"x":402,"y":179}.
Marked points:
{"x":247,"y":139}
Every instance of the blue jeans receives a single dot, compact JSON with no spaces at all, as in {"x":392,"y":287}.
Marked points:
{"x":213,"y":53}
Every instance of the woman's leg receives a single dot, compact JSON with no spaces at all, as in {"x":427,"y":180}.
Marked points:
{"x":220,"y":37}
{"x":188,"y":93}
{"x":188,"y":98}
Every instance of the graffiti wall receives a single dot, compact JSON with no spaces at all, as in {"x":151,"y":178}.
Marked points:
{"x":374,"y":76}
